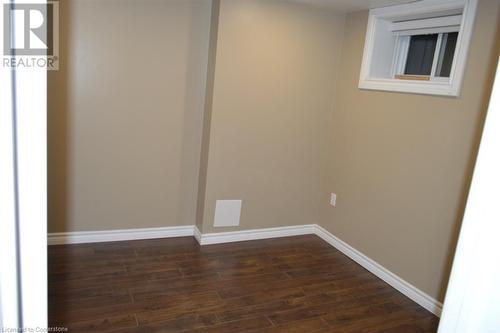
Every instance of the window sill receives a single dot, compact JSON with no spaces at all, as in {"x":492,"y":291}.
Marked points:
{"x":411,"y":86}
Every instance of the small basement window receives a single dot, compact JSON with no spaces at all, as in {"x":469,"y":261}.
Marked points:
{"x":418,"y":47}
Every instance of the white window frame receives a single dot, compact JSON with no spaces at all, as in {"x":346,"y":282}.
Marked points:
{"x":386,"y":48}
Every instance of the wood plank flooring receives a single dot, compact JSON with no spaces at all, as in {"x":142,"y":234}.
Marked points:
{"x":293,"y":284}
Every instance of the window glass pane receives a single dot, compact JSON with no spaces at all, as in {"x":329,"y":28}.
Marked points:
{"x":421,"y":54}
{"x":446,"y":54}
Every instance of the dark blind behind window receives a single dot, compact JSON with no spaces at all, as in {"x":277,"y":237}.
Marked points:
{"x":447,"y":54}
{"x":421,"y":54}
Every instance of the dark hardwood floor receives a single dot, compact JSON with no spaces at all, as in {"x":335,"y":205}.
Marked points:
{"x":293,"y":284}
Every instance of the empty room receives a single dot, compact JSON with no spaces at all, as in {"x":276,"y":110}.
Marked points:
{"x":250,"y":166}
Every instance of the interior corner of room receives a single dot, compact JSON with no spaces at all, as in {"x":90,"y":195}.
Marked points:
{"x":236,"y":120}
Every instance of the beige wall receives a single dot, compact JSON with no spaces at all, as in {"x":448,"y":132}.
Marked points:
{"x":401,"y":163}
{"x":125,"y":114}
{"x":273,"y":94}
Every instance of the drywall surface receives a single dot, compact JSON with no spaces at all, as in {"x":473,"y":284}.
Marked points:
{"x":125,"y":114}
{"x":273,"y":94}
{"x":401,"y":163}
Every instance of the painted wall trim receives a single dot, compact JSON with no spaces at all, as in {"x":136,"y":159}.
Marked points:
{"x":383,"y":273}
{"x":197,"y":234}
{"x":245,"y":235}
{"x":118,"y":235}
{"x":404,"y":287}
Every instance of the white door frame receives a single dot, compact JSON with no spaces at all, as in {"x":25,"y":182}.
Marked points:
{"x":23,"y":195}
{"x":472,"y":300}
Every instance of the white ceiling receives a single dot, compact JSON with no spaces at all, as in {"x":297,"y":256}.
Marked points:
{"x":352,"y":5}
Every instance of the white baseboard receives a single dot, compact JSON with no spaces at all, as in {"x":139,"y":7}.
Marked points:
{"x":197,"y":234}
{"x":383,"y":273}
{"x":245,"y":235}
{"x":118,"y":235}
{"x":404,"y":287}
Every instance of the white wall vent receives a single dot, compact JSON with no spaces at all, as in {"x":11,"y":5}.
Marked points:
{"x":227,"y":213}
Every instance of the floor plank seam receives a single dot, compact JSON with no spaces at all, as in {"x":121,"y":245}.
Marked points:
{"x":136,"y":320}
{"x":325,"y":321}
{"x":269,"y":319}
{"x":131,"y":296}
{"x":219,"y":296}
